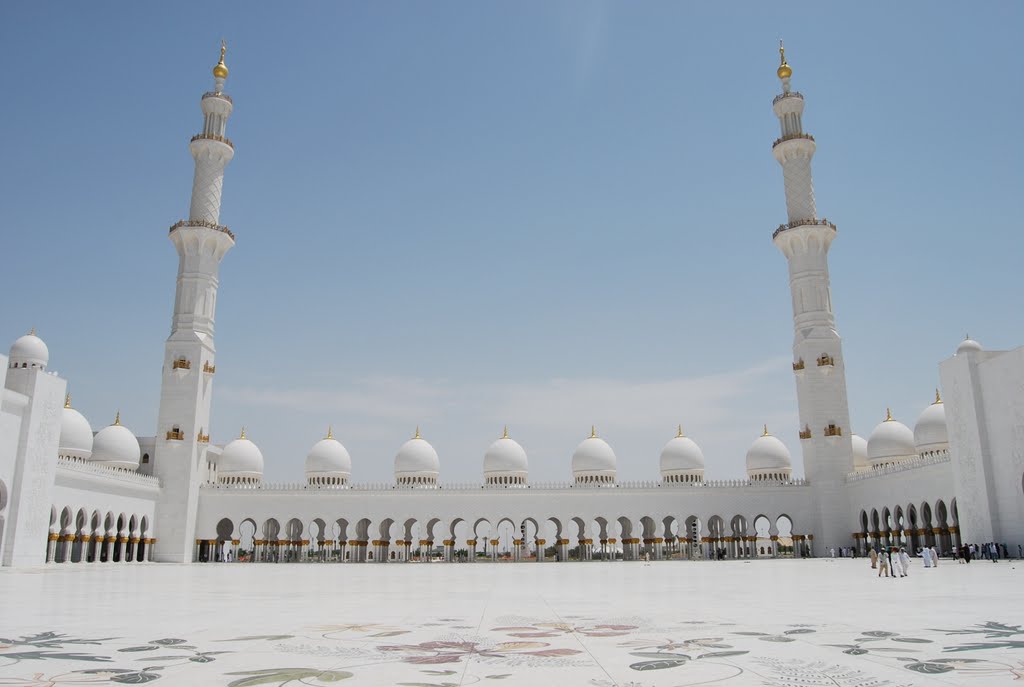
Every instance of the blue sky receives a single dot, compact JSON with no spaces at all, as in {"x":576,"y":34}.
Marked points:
{"x":462,"y":215}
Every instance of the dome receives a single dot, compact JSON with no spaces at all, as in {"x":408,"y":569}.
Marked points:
{"x":29,"y":351}
{"x":328,"y":460}
{"x":75,"y":433}
{"x":889,"y":442}
{"x":860,"y":453}
{"x":593,"y":460}
{"x":681,"y":455}
{"x":505,"y":458}
{"x":930,"y":432}
{"x":968,"y":345}
{"x":220,"y":71}
{"x":768,"y":455}
{"x":241,"y":460}
{"x":116,"y":446}
{"x":416,"y":462}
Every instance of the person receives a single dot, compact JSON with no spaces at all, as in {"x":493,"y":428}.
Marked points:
{"x":874,"y":558}
{"x":926,"y":557}
{"x":833,"y":551}
{"x":993,"y":552}
{"x":895,"y":564}
{"x":905,"y":561}
{"x":935,"y":557}
{"x":883,"y":565}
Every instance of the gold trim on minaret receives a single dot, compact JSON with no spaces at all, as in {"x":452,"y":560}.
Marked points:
{"x":784,"y":71}
{"x":242,"y":435}
{"x":117,"y":419}
{"x":504,"y":434}
{"x":220,"y":71}
{"x":330,"y":432}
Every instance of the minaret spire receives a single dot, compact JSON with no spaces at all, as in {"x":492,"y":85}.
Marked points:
{"x":186,"y":393}
{"x":821,"y":387}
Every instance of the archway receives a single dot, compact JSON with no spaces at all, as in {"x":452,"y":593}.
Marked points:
{"x":764,"y":546}
{"x":247,"y":540}
{"x":787,"y":547}
{"x":225,"y":534}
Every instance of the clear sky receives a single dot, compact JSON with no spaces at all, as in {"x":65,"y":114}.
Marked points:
{"x":550,"y":215}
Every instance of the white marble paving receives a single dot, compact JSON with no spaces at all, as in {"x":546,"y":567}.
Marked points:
{"x":813,"y":622}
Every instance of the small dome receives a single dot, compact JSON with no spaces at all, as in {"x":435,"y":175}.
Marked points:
{"x":768,"y":455}
{"x":784,"y":71}
{"x":116,"y":446}
{"x":75,"y":434}
{"x":417,"y":459}
{"x":890,"y":442}
{"x":29,"y":351}
{"x":328,"y":458}
{"x":505,"y":458}
{"x":681,"y":455}
{"x":594,"y":458}
{"x":930,"y":433}
{"x":241,"y":460}
{"x":860,"y":453}
{"x":968,"y":345}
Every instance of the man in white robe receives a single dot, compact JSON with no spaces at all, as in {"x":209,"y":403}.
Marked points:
{"x":904,"y":561}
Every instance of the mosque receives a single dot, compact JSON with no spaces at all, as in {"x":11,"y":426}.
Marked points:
{"x":72,"y":495}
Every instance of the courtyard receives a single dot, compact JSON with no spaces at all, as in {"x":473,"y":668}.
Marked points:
{"x":672,"y":623}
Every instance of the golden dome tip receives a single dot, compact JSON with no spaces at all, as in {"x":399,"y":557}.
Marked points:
{"x":784,"y":71}
{"x":220,"y":71}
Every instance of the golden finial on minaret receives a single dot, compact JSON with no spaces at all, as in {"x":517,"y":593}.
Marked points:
{"x":593,"y":432}
{"x":784,"y":70}
{"x":938,"y":398}
{"x":117,"y":418}
{"x":504,"y":434}
{"x":221,"y":70}
{"x":888,"y":415}
{"x":32,"y":332}
{"x":765,"y":431}
{"x":242,"y":435}
{"x":67,"y":400}
{"x":330,"y":432}
{"x":417,"y":435}
{"x":679,"y":435}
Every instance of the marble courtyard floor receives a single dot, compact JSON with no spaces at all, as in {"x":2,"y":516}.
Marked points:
{"x":812,"y":622}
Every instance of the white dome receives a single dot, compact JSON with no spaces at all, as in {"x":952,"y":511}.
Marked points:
{"x":593,"y":458}
{"x":505,"y":457}
{"x":116,"y":446}
{"x":968,"y":345}
{"x":930,"y":432}
{"x":681,"y":454}
{"x":29,"y":350}
{"x":328,"y":458}
{"x":417,"y":458}
{"x":240,"y":459}
{"x":768,"y":454}
{"x":75,"y":434}
{"x":890,"y":441}
{"x":860,"y":453}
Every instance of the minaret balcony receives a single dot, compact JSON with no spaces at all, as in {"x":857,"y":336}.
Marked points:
{"x":805,"y":433}
{"x":833,"y":431}
{"x":804,"y":223}
{"x":175,"y":435}
{"x":213,"y":137}
{"x":790,"y":94}
{"x":181,"y":364}
{"x":208,"y":368}
{"x":792,"y":137}
{"x":222,"y":96}
{"x":203,"y":438}
{"x":826,"y":360}
{"x":200,"y":223}
{"x":798,"y":366}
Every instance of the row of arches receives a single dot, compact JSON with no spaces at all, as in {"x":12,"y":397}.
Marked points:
{"x":81,"y":537}
{"x":913,"y":526}
{"x":504,"y":538}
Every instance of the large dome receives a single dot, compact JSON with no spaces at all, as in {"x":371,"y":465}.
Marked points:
{"x":593,"y":460}
{"x":116,"y":446}
{"x":328,"y":462}
{"x":890,"y":442}
{"x":29,"y":351}
{"x":75,"y":434}
{"x":968,"y":345}
{"x":681,"y":457}
{"x":930,"y":433}
{"x":240,"y":461}
{"x":416,"y":462}
{"x":860,"y":453}
{"x":505,"y":462}
{"x":768,"y":458}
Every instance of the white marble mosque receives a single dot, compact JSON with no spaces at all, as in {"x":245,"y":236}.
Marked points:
{"x":69,"y":495}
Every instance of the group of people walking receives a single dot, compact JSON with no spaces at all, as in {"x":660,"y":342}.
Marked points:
{"x":897,"y":560}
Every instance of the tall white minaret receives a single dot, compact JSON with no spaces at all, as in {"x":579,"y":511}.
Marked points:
{"x":185,"y":393}
{"x":817,"y":349}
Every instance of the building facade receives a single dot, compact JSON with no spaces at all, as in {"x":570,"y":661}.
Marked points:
{"x":69,"y":495}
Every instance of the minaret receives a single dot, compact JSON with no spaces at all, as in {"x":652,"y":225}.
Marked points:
{"x":184,"y":420}
{"x":817,"y":349}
